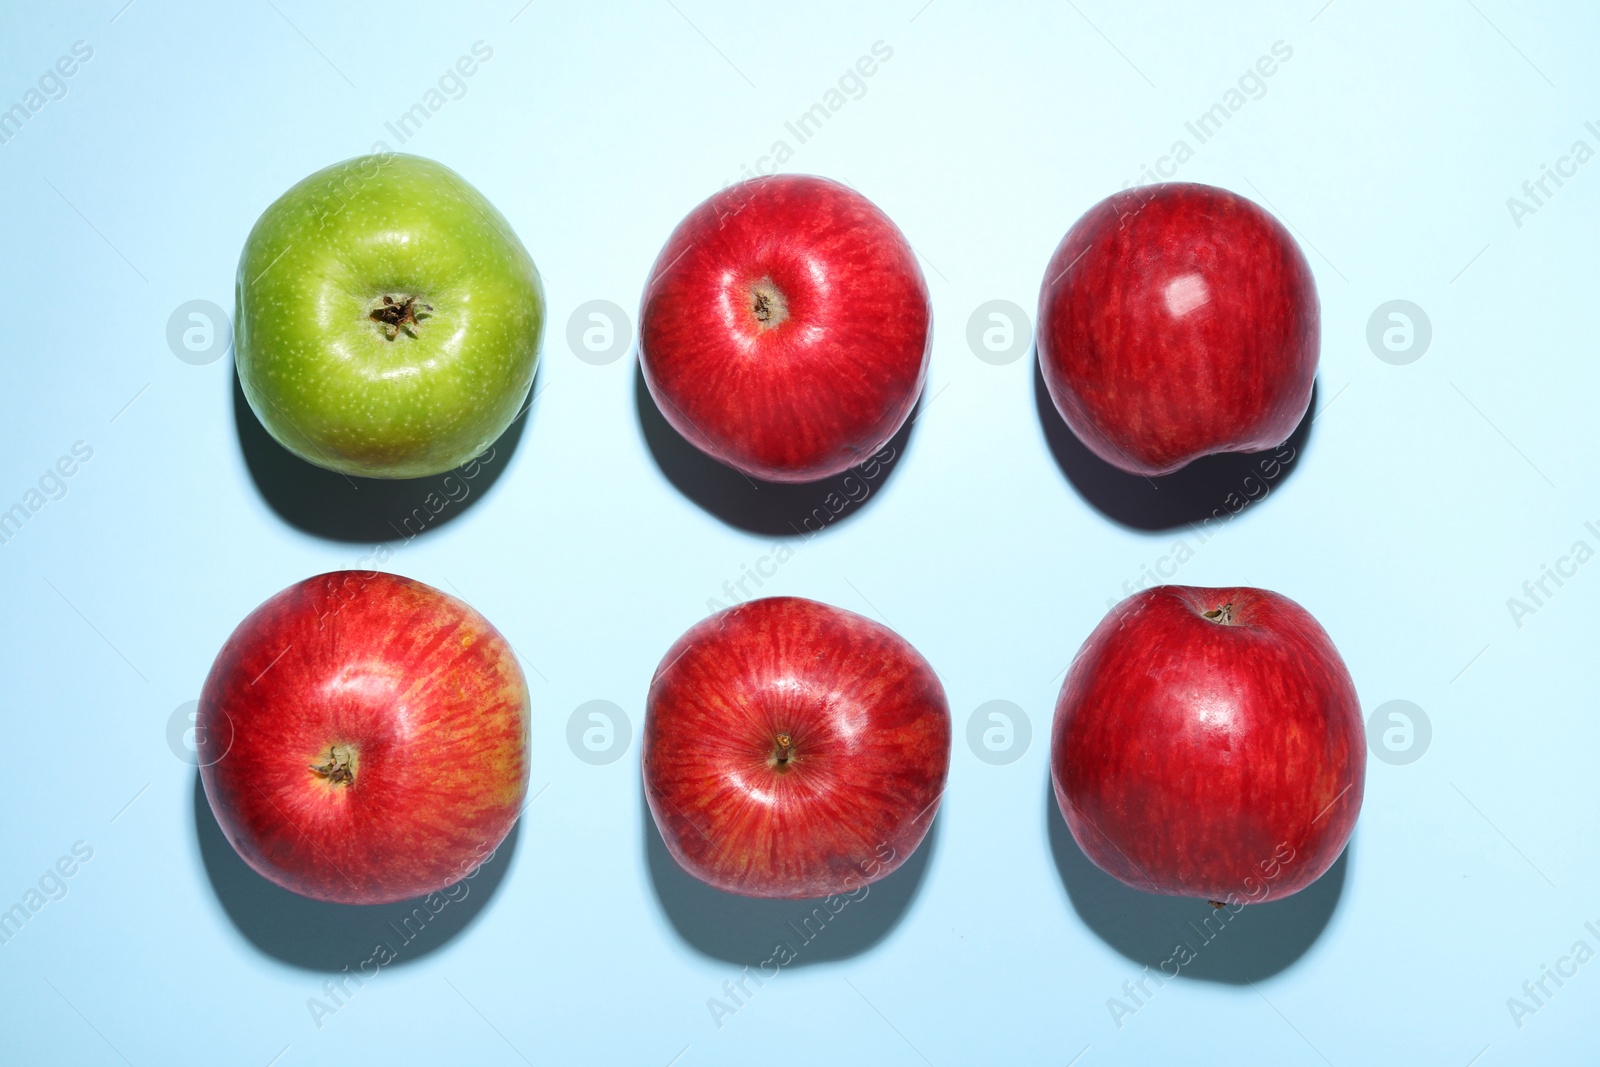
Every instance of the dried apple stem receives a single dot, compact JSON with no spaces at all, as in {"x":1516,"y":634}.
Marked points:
{"x":768,"y":304}
{"x":397,"y":315}
{"x":340,"y":767}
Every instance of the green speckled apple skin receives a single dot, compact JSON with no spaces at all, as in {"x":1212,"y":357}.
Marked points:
{"x":326,"y":380}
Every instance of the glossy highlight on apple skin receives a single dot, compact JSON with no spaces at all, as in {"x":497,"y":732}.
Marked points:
{"x":793,"y":750}
{"x":363,"y":738}
{"x":1177,"y":321}
{"x":786,"y":327}
{"x":1209,"y":743}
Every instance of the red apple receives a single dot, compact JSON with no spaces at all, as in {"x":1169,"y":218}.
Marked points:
{"x":1176,"y":321}
{"x":794,"y":750}
{"x":1208,"y":743}
{"x":363,"y":738}
{"x":785,"y":328}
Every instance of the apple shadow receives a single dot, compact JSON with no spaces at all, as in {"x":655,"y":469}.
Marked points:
{"x":318,"y":936}
{"x":1257,"y":942}
{"x":338,"y":507}
{"x":751,"y":504}
{"x":746,"y":930}
{"x":1199,"y":491}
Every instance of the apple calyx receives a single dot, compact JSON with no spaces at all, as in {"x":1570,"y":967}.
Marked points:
{"x":782,"y":752}
{"x":768,"y":304}
{"x":1222,"y":616}
{"x":399,"y":316}
{"x":340,"y":768}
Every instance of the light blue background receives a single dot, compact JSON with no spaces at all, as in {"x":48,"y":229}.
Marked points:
{"x":1427,"y":494}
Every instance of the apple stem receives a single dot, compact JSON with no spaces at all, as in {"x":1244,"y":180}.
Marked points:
{"x":1217,"y":904}
{"x":768,"y":305}
{"x":340,"y":769}
{"x":785,"y":750}
{"x":396,"y":316}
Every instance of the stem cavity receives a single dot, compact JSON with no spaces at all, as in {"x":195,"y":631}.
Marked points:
{"x":782,"y":752}
{"x":339,"y":768}
{"x":768,"y":304}
{"x":398,"y":317}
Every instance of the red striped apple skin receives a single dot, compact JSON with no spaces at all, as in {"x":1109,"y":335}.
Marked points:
{"x":859,"y":785}
{"x":1216,"y":758}
{"x":1176,"y":321}
{"x":785,"y":328}
{"x":406,"y":688}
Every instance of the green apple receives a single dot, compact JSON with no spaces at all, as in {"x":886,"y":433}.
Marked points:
{"x":388,"y":319}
